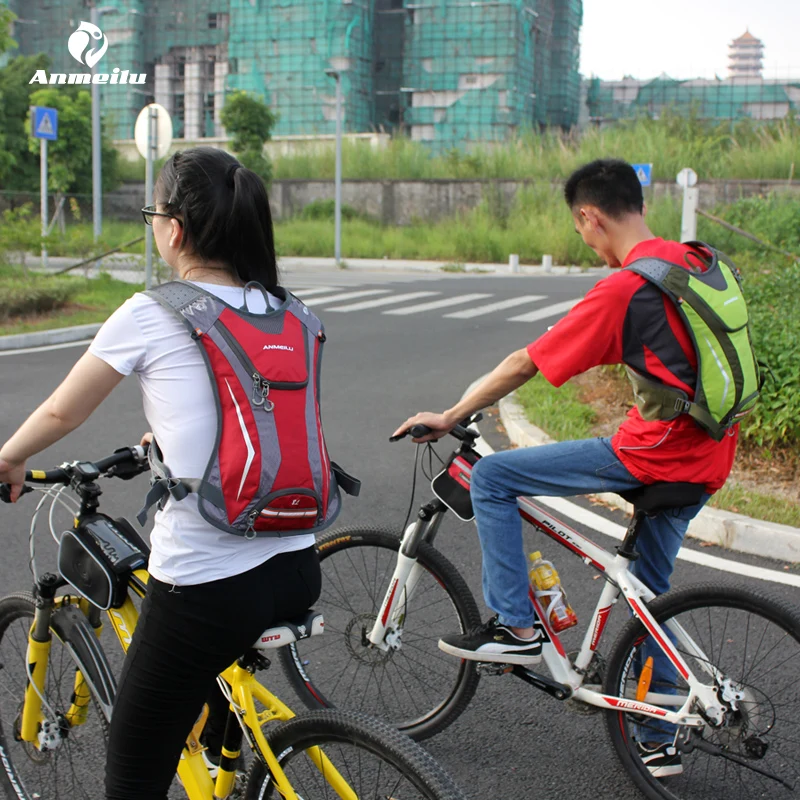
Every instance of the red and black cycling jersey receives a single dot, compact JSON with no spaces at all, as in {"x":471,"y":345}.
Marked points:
{"x":626,"y":320}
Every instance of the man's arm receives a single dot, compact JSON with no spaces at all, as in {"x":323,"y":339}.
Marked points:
{"x":510,"y":374}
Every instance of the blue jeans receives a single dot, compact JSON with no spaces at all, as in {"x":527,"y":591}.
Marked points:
{"x":562,"y":470}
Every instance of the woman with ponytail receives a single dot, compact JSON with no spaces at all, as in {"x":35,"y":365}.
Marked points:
{"x":211,"y":594}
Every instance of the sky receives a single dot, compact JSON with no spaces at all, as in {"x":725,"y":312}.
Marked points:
{"x":685,"y":38}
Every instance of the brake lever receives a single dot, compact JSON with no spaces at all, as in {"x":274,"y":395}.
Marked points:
{"x":5,"y":491}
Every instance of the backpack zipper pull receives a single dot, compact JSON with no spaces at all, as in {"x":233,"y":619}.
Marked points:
{"x":261,"y":393}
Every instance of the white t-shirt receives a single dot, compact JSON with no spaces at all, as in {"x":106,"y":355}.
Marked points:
{"x":143,"y":337}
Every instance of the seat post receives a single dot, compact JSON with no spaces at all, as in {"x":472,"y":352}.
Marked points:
{"x":628,"y":547}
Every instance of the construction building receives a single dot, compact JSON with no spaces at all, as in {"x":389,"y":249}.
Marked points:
{"x":744,"y":94}
{"x":450,"y":73}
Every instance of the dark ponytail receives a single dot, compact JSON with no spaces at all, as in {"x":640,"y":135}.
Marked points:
{"x":225,"y":212}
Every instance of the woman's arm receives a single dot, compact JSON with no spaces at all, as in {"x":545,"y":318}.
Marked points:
{"x":87,"y":385}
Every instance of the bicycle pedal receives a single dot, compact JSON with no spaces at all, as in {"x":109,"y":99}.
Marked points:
{"x":488,"y":668}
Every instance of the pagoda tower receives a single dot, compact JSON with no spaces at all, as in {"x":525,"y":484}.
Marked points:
{"x":745,"y":56}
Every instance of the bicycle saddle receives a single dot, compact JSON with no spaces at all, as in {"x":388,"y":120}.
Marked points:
{"x":655,"y":497}
{"x":309,"y":624}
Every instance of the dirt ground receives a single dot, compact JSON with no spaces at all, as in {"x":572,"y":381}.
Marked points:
{"x":609,"y":393}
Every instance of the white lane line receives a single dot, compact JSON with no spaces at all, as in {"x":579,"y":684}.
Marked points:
{"x":434,"y":304}
{"x":499,"y":306}
{"x":547,"y":311}
{"x":334,"y":298}
{"x":44,"y":348}
{"x":384,"y":301}
{"x":609,"y":528}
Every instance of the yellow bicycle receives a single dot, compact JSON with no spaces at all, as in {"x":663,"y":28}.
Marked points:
{"x":57,"y":686}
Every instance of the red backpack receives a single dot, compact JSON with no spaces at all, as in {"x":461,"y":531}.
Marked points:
{"x":269,"y":473}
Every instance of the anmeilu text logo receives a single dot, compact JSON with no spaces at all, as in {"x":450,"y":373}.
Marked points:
{"x":81,"y":39}
{"x":87,"y":45}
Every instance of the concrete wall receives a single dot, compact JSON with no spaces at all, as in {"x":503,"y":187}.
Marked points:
{"x":403,"y":202}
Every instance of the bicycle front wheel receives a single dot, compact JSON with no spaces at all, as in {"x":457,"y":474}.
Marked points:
{"x":72,"y":766}
{"x":413,"y":685}
{"x":752,"y":641}
{"x":375,"y":760}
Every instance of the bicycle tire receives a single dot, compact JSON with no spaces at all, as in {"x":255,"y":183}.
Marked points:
{"x":381,"y":754}
{"x":75,"y":769}
{"x":754,"y":639}
{"x":416,"y":688}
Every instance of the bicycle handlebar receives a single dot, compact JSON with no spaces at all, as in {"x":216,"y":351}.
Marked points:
{"x":460,"y":431}
{"x":124,"y":463}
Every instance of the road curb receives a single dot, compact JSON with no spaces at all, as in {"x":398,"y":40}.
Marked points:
{"x":724,"y":528}
{"x":19,"y":341}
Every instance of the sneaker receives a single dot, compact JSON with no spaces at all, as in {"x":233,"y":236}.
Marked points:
{"x":493,"y":641}
{"x":663,"y":760}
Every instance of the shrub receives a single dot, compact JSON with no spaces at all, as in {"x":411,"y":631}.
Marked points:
{"x":20,"y":296}
{"x":775,"y":316}
{"x":326,"y":209}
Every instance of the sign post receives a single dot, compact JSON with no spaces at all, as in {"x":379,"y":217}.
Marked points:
{"x":44,"y":127}
{"x":687,"y":178}
{"x":153,"y":135}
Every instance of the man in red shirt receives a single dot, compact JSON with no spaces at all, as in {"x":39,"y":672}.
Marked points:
{"x":624,"y":319}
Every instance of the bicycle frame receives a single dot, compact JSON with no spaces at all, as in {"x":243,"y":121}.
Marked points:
{"x":237,"y":682}
{"x":568,"y":677}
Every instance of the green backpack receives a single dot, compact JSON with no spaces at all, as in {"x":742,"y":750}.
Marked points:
{"x":713,"y":308}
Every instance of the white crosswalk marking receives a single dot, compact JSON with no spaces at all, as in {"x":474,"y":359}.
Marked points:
{"x":547,"y":311}
{"x":499,"y":306}
{"x":434,"y":304}
{"x":383,"y":301}
{"x":335,"y":298}
{"x":310,"y":292}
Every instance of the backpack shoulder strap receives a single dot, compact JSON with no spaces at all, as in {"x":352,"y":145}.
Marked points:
{"x":195,"y":307}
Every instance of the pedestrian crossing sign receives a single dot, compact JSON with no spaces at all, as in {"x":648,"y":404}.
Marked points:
{"x":644,"y":173}
{"x":44,"y":122}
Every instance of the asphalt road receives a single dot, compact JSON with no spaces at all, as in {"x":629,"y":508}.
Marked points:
{"x":379,"y":368}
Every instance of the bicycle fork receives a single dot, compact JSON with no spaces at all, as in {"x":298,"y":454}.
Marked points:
{"x":388,"y":627}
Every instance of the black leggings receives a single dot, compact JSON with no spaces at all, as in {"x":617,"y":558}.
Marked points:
{"x":185,"y":637}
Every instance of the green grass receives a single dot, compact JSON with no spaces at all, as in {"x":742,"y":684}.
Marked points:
{"x":744,"y":150}
{"x":95,"y":300}
{"x":558,"y":412}
{"x":757,"y":505}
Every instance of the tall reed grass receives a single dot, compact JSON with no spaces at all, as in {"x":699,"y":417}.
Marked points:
{"x":744,"y":150}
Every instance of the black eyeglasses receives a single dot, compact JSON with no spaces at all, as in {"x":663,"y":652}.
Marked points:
{"x":148,"y":212}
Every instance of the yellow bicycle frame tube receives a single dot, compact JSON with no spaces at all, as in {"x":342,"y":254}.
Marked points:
{"x":37,"y":659}
{"x":245,"y":689}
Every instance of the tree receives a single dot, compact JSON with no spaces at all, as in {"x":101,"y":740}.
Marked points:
{"x":70,"y":156}
{"x":249,"y":121}
{"x":19,"y":168}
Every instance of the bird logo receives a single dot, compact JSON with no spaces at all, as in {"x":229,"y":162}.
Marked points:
{"x":80,"y":40}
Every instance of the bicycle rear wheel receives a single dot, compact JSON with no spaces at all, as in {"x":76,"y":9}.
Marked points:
{"x":414,"y":687}
{"x":374,"y":759}
{"x":74,"y":769}
{"x":754,"y":641}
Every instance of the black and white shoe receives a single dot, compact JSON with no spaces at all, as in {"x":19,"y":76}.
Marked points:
{"x":663,"y":760}
{"x":495,"y":642}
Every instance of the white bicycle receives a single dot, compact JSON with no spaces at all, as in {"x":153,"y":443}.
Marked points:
{"x":725,"y":688}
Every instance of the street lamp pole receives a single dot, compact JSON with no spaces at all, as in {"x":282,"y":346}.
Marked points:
{"x":337,"y":211}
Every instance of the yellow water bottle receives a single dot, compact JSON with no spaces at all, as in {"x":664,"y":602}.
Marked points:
{"x":548,"y":589}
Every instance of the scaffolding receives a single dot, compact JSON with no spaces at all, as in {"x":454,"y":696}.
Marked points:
{"x":715,"y":100}
{"x":450,"y":73}
{"x":457,"y":74}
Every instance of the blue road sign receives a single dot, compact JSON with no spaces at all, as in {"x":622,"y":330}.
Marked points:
{"x":644,"y":173}
{"x":44,"y":122}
